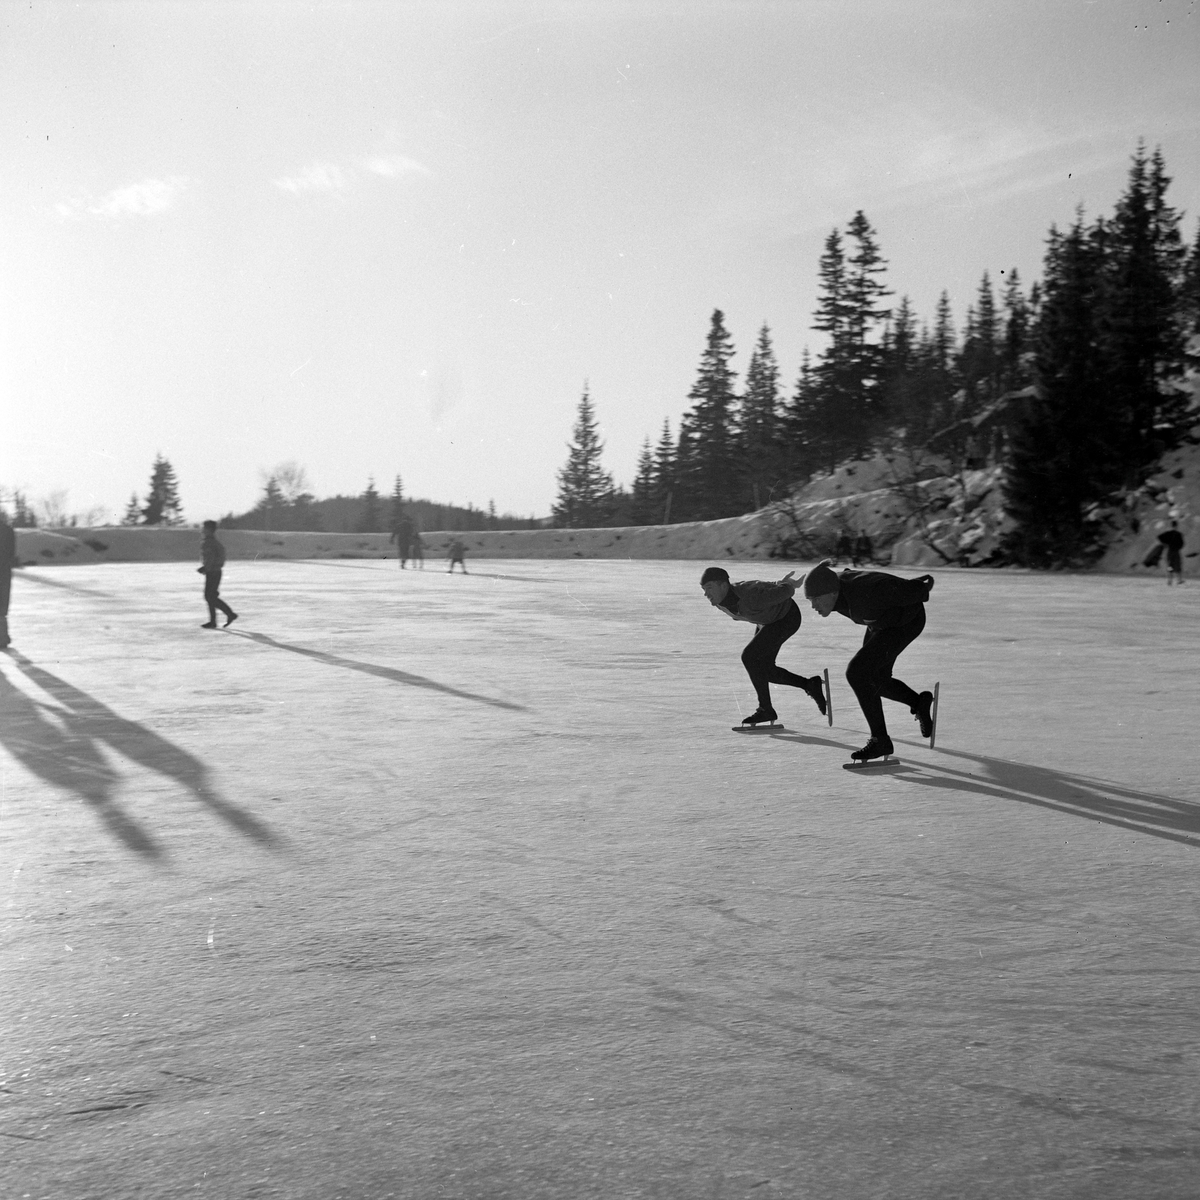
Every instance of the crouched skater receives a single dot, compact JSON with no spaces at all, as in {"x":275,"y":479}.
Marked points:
{"x":772,"y":609}
{"x":893,"y":610}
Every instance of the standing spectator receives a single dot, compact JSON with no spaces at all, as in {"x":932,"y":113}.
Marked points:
{"x":402,"y":534}
{"x":844,"y":549}
{"x":864,"y":552}
{"x":8,"y":560}
{"x":458,"y":552}
{"x":212,"y":559}
{"x":1172,"y":539}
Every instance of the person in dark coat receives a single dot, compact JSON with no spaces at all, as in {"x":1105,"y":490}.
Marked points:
{"x":893,"y":610}
{"x":212,"y":560}
{"x":770,"y":607}
{"x":1172,"y":540}
{"x":8,"y":560}
{"x":402,"y":534}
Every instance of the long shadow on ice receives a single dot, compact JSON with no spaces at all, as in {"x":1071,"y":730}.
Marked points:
{"x":352,"y":664}
{"x":68,"y":587}
{"x":1079,"y":795}
{"x":63,"y":746}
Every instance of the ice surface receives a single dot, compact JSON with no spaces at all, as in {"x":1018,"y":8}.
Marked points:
{"x":425,"y":885}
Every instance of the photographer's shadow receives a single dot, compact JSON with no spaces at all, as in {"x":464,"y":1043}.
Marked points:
{"x":63,"y":746}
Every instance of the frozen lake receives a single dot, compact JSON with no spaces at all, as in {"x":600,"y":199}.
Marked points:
{"x":422,"y":885}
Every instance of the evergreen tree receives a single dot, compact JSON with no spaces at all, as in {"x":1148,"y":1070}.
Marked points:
{"x":643,"y":506}
{"x":272,"y":504}
{"x":760,"y":432}
{"x":585,"y":489}
{"x":846,"y":402}
{"x":369,"y":520}
{"x":664,"y":473}
{"x":1016,"y":335}
{"x":162,"y":505}
{"x":133,"y":511}
{"x":1143,"y":328}
{"x":979,"y":363}
{"x":809,"y":445}
{"x":709,"y":477}
{"x":396,"y":516}
{"x":1191,"y":287}
{"x":1061,"y":456}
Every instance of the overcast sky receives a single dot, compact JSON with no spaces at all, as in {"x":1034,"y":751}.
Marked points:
{"x":399,"y":237}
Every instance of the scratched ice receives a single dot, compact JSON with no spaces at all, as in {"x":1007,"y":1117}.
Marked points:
{"x":460,"y":886}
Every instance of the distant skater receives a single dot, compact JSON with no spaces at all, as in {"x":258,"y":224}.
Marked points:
{"x":402,"y":535}
{"x":418,"y":550}
{"x":212,"y":558}
{"x":770,"y":607}
{"x":458,"y":553}
{"x":844,"y":549}
{"x":864,"y":552}
{"x":8,"y":560}
{"x":893,"y":610}
{"x":1172,"y":539}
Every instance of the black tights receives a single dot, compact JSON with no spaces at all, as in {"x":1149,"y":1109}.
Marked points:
{"x":212,"y":596}
{"x":870,"y":671}
{"x":759,"y":656}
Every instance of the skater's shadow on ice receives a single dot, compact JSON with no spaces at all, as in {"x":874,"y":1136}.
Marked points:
{"x":62,"y":744}
{"x":352,"y":664}
{"x":1079,"y":795}
{"x":67,"y":587}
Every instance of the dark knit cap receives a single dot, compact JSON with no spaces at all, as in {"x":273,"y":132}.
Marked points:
{"x":821,"y":581}
{"x":712,"y":574}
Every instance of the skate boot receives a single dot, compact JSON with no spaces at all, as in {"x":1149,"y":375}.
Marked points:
{"x":924,"y":713}
{"x":875,"y":748}
{"x":815,"y":687}
{"x":763,"y":716}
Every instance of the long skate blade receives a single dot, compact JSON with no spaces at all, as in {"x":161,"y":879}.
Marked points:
{"x":933,"y":717}
{"x":764,"y":728}
{"x":855,"y":765}
{"x":828,"y":699}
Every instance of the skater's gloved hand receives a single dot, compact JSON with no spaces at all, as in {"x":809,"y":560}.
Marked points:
{"x":790,"y":580}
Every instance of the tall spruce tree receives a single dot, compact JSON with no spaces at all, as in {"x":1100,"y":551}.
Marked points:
{"x":1013,"y":372}
{"x":709,"y":477}
{"x":1061,"y":459}
{"x":585,"y":489}
{"x":848,"y":380}
{"x":369,"y":514}
{"x":643,"y":509}
{"x":760,"y":423}
{"x":664,"y":473}
{"x":162,"y":505}
{"x":1142,"y":323}
{"x":133,"y":511}
{"x":396,"y":514}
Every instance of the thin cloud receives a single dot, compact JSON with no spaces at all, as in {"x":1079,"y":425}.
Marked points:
{"x":316,"y":177}
{"x":147,"y":198}
{"x":332,"y":179}
{"x":390,"y":166}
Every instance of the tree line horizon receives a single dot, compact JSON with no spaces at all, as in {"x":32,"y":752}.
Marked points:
{"x":1073,"y":387}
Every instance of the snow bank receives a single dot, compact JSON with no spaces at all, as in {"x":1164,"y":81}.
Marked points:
{"x":750,"y":536}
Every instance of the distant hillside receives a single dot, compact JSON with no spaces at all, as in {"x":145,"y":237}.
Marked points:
{"x":348,"y":514}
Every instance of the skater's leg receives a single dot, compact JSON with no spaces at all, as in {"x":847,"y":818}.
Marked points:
{"x":869,"y":673}
{"x":759,"y":656}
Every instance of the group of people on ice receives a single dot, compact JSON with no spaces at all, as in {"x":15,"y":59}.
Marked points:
{"x":891,"y":608}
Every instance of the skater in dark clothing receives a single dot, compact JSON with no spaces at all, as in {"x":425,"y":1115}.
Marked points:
{"x":402,"y":535}
{"x":458,"y":552}
{"x":418,"y":550}
{"x":212,"y":558}
{"x":770,"y":607}
{"x":893,"y":610}
{"x":8,"y":560}
{"x":1172,"y":539}
{"x":864,"y":552}
{"x":844,"y":548}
